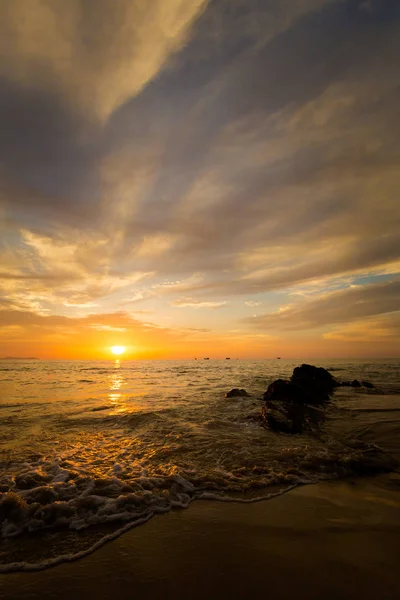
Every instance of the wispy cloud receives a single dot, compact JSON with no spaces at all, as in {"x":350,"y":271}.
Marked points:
{"x":351,"y":304}
{"x":193,"y":303}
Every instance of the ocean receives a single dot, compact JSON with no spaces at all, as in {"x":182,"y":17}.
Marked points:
{"x":90,"y":449}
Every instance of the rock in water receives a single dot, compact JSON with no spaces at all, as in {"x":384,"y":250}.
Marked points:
{"x":356,"y":384}
{"x":285,"y":418}
{"x":285,"y":391}
{"x":367,"y":384}
{"x":290,"y":405}
{"x":237,"y":393}
{"x":316,"y":381}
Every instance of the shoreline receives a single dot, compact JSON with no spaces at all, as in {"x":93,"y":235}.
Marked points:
{"x":332,"y":539}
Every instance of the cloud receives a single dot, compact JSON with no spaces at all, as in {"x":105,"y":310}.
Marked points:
{"x":194,"y":303}
{"x":44,"y":326}
{"x":351,"y":304}
{"x":384,"y":328}
{"x":287,"y":171}
{"x":107,"y":328}
{"x":181,"y":152}
{"x":95,"y":54}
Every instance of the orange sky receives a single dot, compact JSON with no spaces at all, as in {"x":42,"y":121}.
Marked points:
{"x":92,"y":338}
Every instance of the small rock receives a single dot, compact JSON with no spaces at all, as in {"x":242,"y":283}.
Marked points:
{"x":355,"y":383}
{"x":367,"y":384}
{"x":237,"y":393}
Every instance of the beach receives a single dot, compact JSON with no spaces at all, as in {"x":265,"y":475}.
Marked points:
{"x":328,"y":540}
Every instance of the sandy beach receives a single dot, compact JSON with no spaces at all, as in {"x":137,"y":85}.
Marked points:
{"x":329,"y":540}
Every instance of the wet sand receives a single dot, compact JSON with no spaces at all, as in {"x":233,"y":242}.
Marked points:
{"x":331,"y":540}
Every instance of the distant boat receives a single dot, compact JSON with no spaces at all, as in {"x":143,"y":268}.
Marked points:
{"x":278,"y":358}
{"x":228,"y":358}
{"x":207,"y":358}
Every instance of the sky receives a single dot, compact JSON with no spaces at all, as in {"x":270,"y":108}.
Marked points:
{"x":190,"y":178}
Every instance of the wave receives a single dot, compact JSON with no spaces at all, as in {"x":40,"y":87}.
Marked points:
{"x":128,"y":421}
{"x":54,"y":495}
{"x":23,"y":566}
{"x":21,"y":404}
{"x":98,"y":369}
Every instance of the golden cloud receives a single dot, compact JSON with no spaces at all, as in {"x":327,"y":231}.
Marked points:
{"x":97,"y":54}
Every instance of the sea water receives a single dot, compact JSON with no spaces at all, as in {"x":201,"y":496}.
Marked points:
{"x":89,"y":449}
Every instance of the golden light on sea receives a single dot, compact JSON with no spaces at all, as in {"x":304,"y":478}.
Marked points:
{"x":118,"y":350}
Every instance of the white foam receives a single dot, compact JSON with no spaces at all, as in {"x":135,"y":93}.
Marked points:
{"x":61,"y":477}
{"x":109,"y":513}
{"x":52,"y":562}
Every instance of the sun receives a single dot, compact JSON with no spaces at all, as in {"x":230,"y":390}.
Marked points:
{"x":118,"y":349}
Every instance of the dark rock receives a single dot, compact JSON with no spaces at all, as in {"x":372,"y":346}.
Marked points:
{"x":367,"y":384}
{"x":237,"y":393}
{"x":284,"y":419}
{"x":292,"y":418}
{"x":285,"y":391}
{"x":355,"y":383}
{"x":317,"y":381}
{"x":290,"y":405}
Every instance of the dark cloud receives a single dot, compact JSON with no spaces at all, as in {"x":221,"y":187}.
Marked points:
{"x":47,"y":172}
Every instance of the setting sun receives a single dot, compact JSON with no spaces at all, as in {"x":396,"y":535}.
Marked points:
{"x":117,"y":349}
